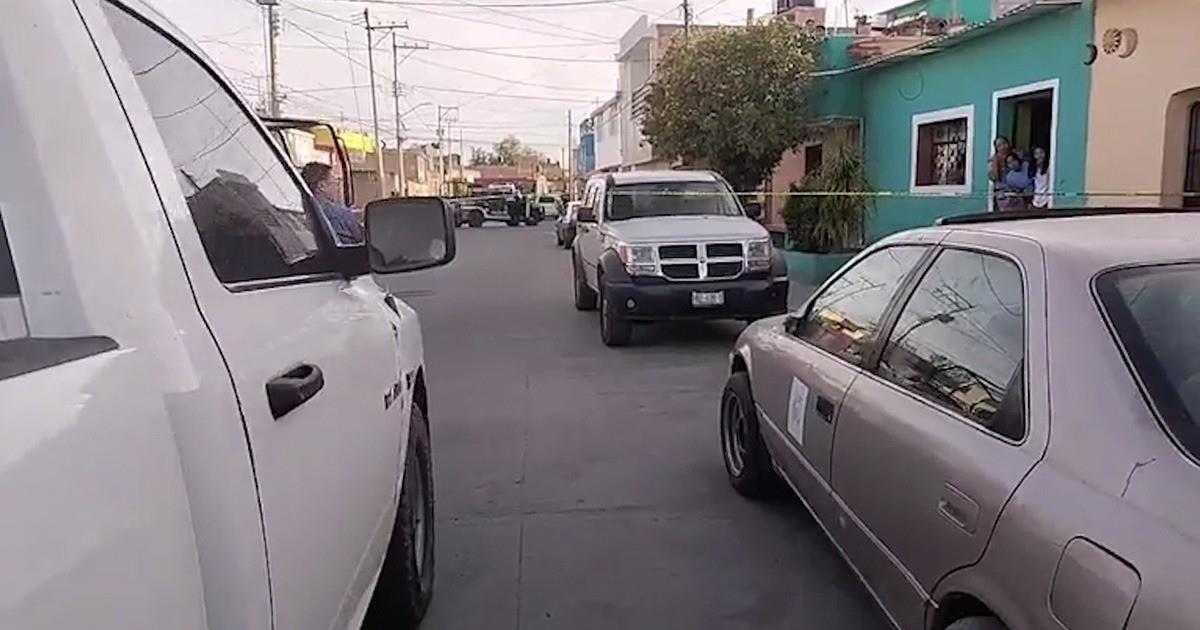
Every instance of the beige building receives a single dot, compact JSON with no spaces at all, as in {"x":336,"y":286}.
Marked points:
{"x":1144,"y":132}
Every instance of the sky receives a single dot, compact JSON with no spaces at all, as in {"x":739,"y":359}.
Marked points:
{"x":511,"y":70}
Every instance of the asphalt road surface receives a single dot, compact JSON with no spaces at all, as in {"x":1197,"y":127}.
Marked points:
{"x":580,"y":486}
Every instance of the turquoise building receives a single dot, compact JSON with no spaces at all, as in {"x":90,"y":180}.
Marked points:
{"x":926,"y":114}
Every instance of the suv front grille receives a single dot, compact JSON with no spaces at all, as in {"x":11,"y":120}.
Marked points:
{"x":681,"y":271}
{"x":669,"y":252}
{"x":701,"y":261}
{"x":724,"y":250}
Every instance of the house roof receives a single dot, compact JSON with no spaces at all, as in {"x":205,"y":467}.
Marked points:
{"x":1016,"y":15}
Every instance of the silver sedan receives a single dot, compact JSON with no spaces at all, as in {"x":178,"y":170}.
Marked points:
{"x":994,"y":420}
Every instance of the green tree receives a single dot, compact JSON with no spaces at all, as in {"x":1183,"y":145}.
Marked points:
{"x":733,"y":99}
{"x":511,"y":151}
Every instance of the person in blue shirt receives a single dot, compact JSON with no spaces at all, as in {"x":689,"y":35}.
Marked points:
{"x":1016,"y":186}
{"x":327,"y":191}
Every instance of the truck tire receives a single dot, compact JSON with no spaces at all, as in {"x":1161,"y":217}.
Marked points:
{"x":476,"y":219}
{"x":405,"y":585}
{"x":514,"y":222}
{"x":585,"y":297}
{"x":614,"y":330}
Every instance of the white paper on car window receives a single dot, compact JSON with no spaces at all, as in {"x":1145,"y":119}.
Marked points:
{"x":797,"y":406}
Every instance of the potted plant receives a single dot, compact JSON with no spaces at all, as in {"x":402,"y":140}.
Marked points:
{"x":825,"y":231}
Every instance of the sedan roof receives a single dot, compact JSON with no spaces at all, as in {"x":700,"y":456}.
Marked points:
{"x":1107,"y":240}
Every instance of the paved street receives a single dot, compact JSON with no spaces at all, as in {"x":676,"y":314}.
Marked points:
{"x":580,"y":486}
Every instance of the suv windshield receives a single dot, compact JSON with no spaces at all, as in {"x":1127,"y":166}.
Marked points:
{"x":1153,"y":310}
{"x":660,"y":199}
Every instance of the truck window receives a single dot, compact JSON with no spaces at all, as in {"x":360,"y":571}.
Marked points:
{"x":247,"y":206}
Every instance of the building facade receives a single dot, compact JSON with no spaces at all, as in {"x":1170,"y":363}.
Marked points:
{"x":1144,"y":115}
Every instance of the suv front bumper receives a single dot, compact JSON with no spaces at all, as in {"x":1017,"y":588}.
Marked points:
{"x":654,"y":299}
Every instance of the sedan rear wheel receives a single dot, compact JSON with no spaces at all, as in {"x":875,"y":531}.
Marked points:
{"x":747,"y":462}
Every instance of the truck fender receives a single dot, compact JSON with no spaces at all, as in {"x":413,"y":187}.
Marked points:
{"x":611,"y":267}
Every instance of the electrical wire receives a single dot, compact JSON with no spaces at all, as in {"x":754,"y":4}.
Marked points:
{"x":487,"y":5}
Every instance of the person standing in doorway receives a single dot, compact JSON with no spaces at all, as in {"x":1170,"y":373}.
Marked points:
{"x":1014,"y":191}
{"x":1040,"y":172}
{"x":998,"y":166}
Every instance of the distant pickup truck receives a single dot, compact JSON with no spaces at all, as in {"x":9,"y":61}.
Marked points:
{"x":498,"y":202}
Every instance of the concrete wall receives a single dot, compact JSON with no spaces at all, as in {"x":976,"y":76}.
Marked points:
{"x":1139,"y":103}
{"x":608,"y":135}
{"x":1043,"y":48}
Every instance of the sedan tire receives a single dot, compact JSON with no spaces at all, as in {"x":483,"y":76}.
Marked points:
{"x":747,"y":461}
{"x":405,"y":585}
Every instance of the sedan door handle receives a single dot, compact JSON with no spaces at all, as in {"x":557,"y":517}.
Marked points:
{"x":825,"y":408}
{"x":292,"y":388}
{"x":958,"y":508}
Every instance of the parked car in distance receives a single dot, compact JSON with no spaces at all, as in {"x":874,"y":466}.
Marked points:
{"x":995,"y":420}
{"x":668,"y":245}
{"x":548,"y":205}
{"x":564,"y":226}
{"x":213,"y":416}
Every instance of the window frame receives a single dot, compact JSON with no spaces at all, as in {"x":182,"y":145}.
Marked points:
{"x":1191,"y":158}
{"x":327,"y":247}
{"x":1147,"y":391}
{"x":795,"y":324}
{"x":922,"y":119}
{"x":889,"y":325}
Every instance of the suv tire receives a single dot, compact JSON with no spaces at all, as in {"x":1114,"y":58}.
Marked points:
{"x":585,"y":297}
{"x":475,"y":219}
{"x":614,"y":330}
{"x":405,"y":585}
{"x":747,"y":461}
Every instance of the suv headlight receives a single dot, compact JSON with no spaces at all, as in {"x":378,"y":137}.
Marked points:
{"x":639,"y":260}
{"x":758,"y":255}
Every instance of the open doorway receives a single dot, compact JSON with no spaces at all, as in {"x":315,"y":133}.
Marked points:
{"x":1027,"y":116}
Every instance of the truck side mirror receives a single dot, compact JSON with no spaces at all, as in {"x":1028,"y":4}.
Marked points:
{"x":409,"y":233}
{"x":585,"y":214}
{"x":754,"y":210}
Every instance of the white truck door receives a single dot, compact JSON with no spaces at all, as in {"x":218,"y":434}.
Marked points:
{"x":312,"y":355}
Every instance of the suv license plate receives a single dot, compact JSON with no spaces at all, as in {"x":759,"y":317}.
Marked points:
{"x":708,"y":298}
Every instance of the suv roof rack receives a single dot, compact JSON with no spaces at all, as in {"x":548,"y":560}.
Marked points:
{"x":1026,"y":215}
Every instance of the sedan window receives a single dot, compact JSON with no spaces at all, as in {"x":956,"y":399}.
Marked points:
{"x":845,"y":316}
{"x":960,"y":340}
{"x":1154,"y":311}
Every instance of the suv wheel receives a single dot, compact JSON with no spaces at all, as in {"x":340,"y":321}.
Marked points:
{"x":614,"y":330}
{"x":475,"y":219}
{"x":405,"y":585}
{"x":747,"y":461}
{"x":585,"y":297}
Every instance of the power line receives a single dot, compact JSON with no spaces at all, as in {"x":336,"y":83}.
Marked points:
{"x":342,"y":88}
{"x":489,"y":5}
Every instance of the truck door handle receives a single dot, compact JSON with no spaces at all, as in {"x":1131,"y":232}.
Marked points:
{"x":292,"y":388}
{"x":825,"y":408}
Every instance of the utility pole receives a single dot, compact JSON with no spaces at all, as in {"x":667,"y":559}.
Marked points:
{"x":569,"y":185}
{"x":383,"y":187}
{"x":397,"y":92}
{"x":687,"y":19}
{"x":443,"y":113}
{"x":272,"y":32}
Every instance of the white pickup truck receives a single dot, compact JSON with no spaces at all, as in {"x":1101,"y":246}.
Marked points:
{"x":211,"y":415}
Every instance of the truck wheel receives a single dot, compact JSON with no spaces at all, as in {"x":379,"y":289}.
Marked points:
{"x":532,"y":220}
{"x":476,"y":219}
{"x":405,"y":585}
{"x":514,"y":222}
{"x":614,"y":331}
{"x":747,"y":462}
{"x":585,"y":297}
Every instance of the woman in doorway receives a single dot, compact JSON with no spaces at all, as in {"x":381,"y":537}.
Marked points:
{"x":1039,"y":171}
{"x":1017,"y":185}
{"x":998,"y":165}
